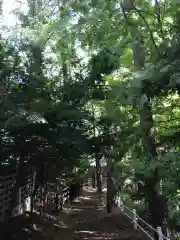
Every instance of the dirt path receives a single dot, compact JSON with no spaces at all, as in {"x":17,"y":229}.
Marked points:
{"x":87,"y":208}
{"x":86,"y":220}
{"x":97,"y":225}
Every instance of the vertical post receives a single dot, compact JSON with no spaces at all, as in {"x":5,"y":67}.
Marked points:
{"x":122,"y":205}
{"x":19,"y":201}
{"x":33,"y":180}
{"x":28,"y":204}
{"x":89,"y":182}
{"x":160,"y":234}
{"x":168,"y":234}
{"x":134,"y":218}
{"x":61,"y":201}
{"x":119,"y":202}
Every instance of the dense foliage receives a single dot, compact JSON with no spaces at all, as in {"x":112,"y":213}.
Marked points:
{"x":96,"y":80}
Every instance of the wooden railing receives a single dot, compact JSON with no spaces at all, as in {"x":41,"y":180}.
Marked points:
{"x":141,"y":224}
{"x":138,"y":222}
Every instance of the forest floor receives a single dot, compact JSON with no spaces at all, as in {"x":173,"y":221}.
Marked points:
{"x":85,"y":220}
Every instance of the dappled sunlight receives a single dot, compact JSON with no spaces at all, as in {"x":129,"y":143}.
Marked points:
{"x":104,"y":189}
{"x":85,"y":220}
{"x":67,"y":210}
{"x":90,"y":118}
{"x":86,"y":207}
{"x":100,"y":237}
{"x":49,"y":216}
{"x":85,"y":198}
{"x":37,"y":228}
{"x":77,"y":200}
{"x":60,"y":226}
{"x":75,"y":212}
{"x":93,"y":190}
{"x":91,"y":235}
{"x":89,"y":189}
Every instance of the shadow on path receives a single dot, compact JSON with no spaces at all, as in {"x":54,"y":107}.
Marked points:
{"x":85,"y":220}
{"x":98,"y":225}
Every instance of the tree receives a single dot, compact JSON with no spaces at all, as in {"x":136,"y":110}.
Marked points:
{"x":99,"y":79}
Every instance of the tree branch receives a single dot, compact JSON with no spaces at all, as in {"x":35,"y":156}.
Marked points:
{"x":158,"y":14}
{"x":147,"y":25}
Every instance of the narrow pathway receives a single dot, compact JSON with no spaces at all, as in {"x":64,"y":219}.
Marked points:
{"x":86,"y":209}
{"x":86,"y":220}
{"x":92,"y":223}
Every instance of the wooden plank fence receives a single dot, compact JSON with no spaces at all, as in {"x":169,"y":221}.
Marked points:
{"x":23,"y":195}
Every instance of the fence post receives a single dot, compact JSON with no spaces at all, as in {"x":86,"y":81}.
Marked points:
{"x":19,"y":201}
{"x":122,"y":205}
{"x":33,"y":180}
{"x":168,"y":234}
{"x":119,"y":201}
{"x":89,"y":182}
{"x":160,"y":234}
{"x":134,"y":218}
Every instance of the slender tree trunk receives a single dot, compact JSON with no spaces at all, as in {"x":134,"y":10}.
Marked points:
{"x":56,"y":201}
{"x":42,"y":203}
{"x":65,"y":71}
{"x":44,"y":190}
{"x":45,"y":187}
{"x":98,"y":173}
{"x":110,"y":186}
{"x":93,"y":179}
{"x":109,"y":193}
{"x":97,"y":159}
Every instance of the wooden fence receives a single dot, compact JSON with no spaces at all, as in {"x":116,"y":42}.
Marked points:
{"x":22,"y":199}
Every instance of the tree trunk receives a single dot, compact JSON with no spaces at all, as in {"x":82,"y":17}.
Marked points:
{"x":98,"y":173}
{"x":109,"y":193}
{"x":93,"y":179}
{"x":156,"y":203}
{"x":44,"y":190}
{"x":97,"y":159}
{"x":110,"y":186}
{"x":45,"y":187}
